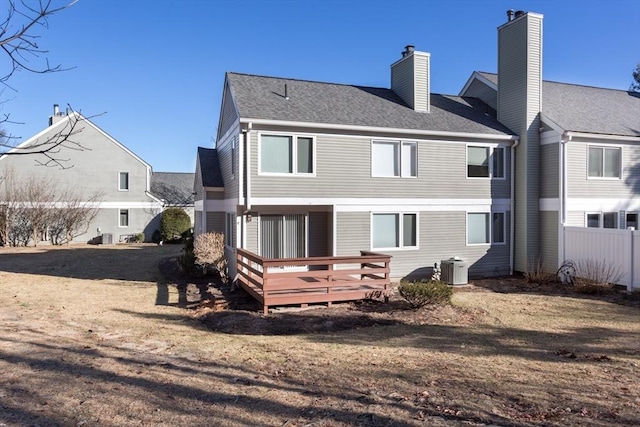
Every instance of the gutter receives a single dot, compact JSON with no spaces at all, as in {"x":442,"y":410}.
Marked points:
{"x":512,"y":215}
{"x":380,"y":129}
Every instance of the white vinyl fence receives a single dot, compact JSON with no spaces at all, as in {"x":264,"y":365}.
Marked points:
{"x":616,"y":247}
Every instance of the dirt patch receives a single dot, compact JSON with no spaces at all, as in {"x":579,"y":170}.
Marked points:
{"x":230,"y":310}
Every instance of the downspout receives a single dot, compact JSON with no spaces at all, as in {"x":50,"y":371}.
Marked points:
{"x":566,"y":137}
{"x":247,"y":166}
{"x":512,"y":249}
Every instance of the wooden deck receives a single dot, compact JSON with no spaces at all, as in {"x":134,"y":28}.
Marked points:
{"x":321,"y":279}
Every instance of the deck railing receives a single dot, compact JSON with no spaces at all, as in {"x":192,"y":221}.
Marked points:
{"x":286,"y":281}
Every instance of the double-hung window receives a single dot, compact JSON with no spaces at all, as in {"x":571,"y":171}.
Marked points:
{"x":286,"y":154}
{"x":484,"y":228}
{"x":394,"y":230}
{"x":123,"y":218}
{"x":485,"y":162}
{"x":604,"y":162}
{"x":394,"y":159}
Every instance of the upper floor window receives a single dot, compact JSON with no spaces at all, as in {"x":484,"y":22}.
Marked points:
{"x":485,"y":228}
{"x":604,"y":162}
{"x":123,"y":181}
{"x":286,"y":154}
{"x":485,"y":162}
{"x":394,"y":230}
{"x":394,"y":159}
{"x":631,"y":220}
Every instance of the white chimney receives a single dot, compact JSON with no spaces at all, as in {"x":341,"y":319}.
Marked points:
{"x":410,"y":79}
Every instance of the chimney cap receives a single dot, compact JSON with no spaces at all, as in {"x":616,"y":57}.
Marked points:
{"x":510,"y":14}
{"x":408,"y":49}
{"x":519,"y":13}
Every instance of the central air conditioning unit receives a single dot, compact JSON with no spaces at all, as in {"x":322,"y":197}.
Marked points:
{"x":454,"y":271}
{"x":107,"y":238}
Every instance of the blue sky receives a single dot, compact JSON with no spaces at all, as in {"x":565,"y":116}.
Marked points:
{"x":156,"y":67}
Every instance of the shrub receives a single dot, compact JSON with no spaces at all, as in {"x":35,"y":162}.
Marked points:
{"x":595,"y":276}
{"x":174,"y":223}
{"x":187,"y":260}
{"x":139,"y":238}
{"x":208,"y":249}
{"x":536,"y":273}
{"x":419,"y":294}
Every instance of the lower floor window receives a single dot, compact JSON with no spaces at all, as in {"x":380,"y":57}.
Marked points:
{"x":632,"y":220}
{"x":602,"y":220}
{"x":394,"y":230}
{"x":124,"y":218}
{"x":484,"y":228}
{"x":283,"y":236}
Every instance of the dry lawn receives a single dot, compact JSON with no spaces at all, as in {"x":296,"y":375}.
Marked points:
{"x":95,"y":336}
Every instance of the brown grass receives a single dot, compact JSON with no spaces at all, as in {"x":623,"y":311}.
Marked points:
{"x":95,"y":336}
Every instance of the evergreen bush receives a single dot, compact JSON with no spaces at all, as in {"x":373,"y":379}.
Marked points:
{"x":174,"y":223}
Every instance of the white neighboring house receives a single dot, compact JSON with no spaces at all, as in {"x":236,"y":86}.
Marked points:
{"x":94,"y":163}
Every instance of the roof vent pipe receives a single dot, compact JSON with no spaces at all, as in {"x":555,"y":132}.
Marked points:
{"x":286,"y":92}
{"x":56,"y":109}
{"x":510,"y":14}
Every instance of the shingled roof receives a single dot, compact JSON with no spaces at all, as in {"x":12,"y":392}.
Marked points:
{"x":174,"y":188}
{"x":260,"y":97}
{"x":210,"y":168}
{"x":588,"y":109}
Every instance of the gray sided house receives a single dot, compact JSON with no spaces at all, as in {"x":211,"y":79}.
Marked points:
{"x":95,"y":163}
{"x":305,"y":168}
{"x":174,"y":189}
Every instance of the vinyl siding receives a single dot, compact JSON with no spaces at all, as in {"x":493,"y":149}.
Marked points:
{"x":549,"y":240}
{"x":215,"y":222}
{"x":578,"y":185}
{"x":402,"y":82}
{"x":225,"y":157}
{"x":215,"y":195}
{"x":442,"y":171}
{"x":95,"y":169}
{"x":488,"y":95}
{"x":550,"y":167}
{"x":441,"y":236}
{"x":421,"y":82}
{"x":228,"y":114}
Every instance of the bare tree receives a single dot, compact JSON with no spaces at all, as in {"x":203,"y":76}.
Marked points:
{"x":33,"y":209}
{"x":19,"y":50}
{"x":72,"y":216}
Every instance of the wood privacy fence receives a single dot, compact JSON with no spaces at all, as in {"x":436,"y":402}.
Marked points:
{"x":276,"y":282}
{"x":619,"y":248}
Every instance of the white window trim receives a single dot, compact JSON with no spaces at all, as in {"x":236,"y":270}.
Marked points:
{"x":399,"y":142}
{"x":601,"y":215}
{"x":492,"y":148}
{"x":401,"y":224}
{"x":294,"y":137}
{"x":490,"y":213}
{"x":604,"y":178}
{"x":128,"y":181}
{"x":128,"y":218}
{"x":233,"y":159}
